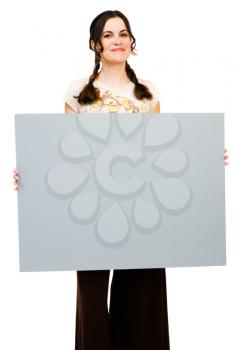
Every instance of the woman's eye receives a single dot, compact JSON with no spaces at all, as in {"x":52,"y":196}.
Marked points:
{"x":124,"y":35}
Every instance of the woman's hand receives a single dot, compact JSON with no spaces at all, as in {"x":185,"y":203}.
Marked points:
{"x":16,"y":173}
{"x":226,"y":156}
{"x":15,"y":178}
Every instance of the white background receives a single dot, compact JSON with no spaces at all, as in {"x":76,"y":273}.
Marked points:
{"x":189,"y":49}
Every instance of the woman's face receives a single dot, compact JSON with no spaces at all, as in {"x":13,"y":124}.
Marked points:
{"x":116,"y":41}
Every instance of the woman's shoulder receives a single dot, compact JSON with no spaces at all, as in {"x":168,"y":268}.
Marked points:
{"x":73,"y":89}
{"x":148,"y":83}
{"x":152,"y":88}
{"x":77,"y":84}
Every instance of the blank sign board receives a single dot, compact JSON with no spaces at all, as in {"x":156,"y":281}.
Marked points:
{"x":118,"y":191}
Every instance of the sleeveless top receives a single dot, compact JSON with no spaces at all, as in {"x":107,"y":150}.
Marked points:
{"x":112,"y":99}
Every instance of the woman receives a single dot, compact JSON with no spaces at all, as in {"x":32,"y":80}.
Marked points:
{"x":115,"y":87}
{"x":138,"y":317}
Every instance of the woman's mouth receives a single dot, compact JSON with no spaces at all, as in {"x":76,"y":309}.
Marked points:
{"x":116,"y":50}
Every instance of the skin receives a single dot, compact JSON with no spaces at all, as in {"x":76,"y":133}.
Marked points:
{"x":114,"y":36}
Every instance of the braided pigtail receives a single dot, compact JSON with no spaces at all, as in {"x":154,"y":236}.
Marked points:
{"x":141,"y":91}
{"x":89,"y":93}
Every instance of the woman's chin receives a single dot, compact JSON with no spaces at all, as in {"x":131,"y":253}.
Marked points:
{"x":117,"y":60}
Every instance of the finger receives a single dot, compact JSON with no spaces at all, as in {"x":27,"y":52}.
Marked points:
{"x":225,"y":149}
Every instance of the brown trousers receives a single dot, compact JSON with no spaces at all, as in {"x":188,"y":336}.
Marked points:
{"x":137,"y":317}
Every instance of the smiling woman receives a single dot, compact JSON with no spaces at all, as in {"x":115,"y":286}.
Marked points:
{"x":137,"y":317}
{"x":114,"y":87}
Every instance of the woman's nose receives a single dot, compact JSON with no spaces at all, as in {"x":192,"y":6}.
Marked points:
{"x":117,"y":40}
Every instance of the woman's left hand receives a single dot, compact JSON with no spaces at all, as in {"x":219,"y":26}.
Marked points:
{"x":226,"y":156}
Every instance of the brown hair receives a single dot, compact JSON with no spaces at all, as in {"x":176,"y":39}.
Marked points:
{"x":89,"y":93}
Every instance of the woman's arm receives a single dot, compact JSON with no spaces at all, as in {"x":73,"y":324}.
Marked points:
{"x":16,"y":176}
{"x":68,"y":109}
{"x":156,"y":108}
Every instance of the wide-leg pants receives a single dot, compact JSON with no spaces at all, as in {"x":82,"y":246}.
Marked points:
{"x":137,"y":317}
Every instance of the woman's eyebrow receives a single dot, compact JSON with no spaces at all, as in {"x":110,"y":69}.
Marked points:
{"x":109,"y":31}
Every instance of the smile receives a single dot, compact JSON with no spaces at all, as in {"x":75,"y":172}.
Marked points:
{"x":116,"y":50}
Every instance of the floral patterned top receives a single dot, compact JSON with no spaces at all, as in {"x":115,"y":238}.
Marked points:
{"x":112,"y":99}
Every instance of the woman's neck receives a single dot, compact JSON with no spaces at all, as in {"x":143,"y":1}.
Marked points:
{"x":113,"y":75}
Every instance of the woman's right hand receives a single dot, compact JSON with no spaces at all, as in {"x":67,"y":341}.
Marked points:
{"x":15,"y":178}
